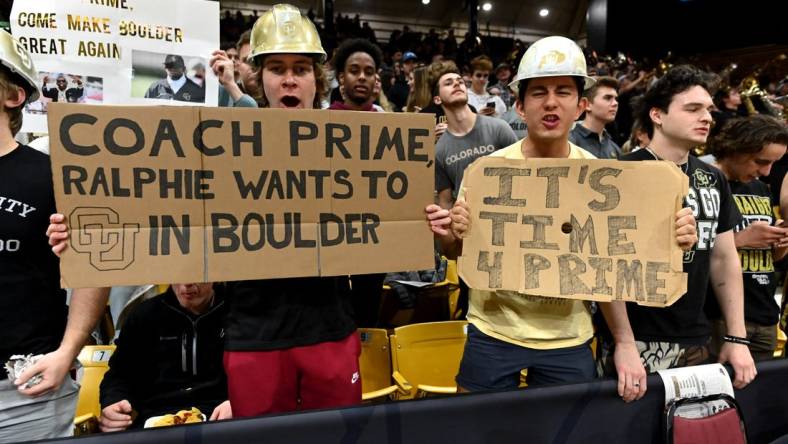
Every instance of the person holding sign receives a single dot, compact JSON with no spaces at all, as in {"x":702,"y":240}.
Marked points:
{"x":676,"y":112}
{"x":548,"y":336}
{"x":745,"y":149}
{"x":289,"y":343}
{"x":40,"y":338}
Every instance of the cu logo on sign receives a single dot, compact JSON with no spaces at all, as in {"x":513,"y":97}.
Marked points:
{"x":96,"y":232}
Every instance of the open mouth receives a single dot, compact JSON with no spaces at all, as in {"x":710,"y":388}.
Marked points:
{"x":290,"y":101}
{"x":551,"y":121}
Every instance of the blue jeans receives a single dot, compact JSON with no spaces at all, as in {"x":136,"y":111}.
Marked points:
{"x":491,"y":364}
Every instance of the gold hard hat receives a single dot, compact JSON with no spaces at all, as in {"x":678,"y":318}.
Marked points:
{"x":14,"y":56}
{"x":284,"y":30}
{"x":553,"y":56}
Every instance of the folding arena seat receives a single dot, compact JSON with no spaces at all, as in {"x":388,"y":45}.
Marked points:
{"x":94,"y":360}
{"x":375,"y":365}
{"x":426,"y":357}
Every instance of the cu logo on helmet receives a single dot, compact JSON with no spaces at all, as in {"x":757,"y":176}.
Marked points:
{"x":22,"y":53}
{"x":288,"y":28}
{"x":97,"y":232}
{"x":552,"y":58}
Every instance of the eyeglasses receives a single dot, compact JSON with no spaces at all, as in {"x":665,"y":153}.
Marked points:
{"x":481,"y":75}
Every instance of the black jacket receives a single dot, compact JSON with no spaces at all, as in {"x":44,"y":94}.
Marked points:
{"x":189,"y":92}
{"x":168,"y":359}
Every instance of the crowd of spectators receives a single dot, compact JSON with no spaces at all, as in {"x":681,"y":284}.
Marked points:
{"x":406,"y":49}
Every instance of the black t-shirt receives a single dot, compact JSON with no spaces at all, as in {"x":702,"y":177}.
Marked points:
{"x":685,"y":321}
{"x":753,"y":199}
{"x":33,"y":308}
{"x":776,"y":177}
{"x":282,"y":313}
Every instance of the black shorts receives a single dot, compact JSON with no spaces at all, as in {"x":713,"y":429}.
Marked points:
{"x":491,"y":364}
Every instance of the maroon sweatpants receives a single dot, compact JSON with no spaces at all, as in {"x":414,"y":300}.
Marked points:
{"x":319,"y":376}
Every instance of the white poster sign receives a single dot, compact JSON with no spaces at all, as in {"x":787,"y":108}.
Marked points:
{"x":141,"y":52}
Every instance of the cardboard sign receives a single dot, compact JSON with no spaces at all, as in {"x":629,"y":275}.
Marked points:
{"x":115,"y":51}
{"x":582,"y":229}
{"x":191,"y":194}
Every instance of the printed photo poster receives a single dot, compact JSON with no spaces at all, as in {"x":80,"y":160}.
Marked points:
{"x":129,"y":52}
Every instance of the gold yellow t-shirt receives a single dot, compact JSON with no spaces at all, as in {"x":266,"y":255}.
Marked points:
{"x":531,"y":321}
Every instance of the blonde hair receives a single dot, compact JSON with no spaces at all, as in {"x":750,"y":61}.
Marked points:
{"x":420,"y":96}
{"x":384,"y":102}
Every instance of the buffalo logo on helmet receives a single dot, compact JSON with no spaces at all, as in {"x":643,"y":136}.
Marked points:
{"x":552,"y":58}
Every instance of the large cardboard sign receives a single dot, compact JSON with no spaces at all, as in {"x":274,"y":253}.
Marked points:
{"x":190,"y":194}
{"x":582,"y":229}
{"x":118,"y":52}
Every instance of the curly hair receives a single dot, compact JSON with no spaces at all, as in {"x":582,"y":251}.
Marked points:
{"x":349,"y":47}
{"x":437,"y":70}
{"x":676,"y":81}
{"x":748,"y":135}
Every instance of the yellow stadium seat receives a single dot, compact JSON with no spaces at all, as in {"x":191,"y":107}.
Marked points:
{"x":94,"y":360}
{"x":781,"y":338}
{"x":426,"y":357}
{"x":453,"y":281}
{"x":375,"y":365}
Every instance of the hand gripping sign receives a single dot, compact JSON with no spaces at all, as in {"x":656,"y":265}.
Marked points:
{"x":582,"y":229}
{"x":195,"y":194}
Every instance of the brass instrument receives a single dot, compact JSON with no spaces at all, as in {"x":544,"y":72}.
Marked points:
{"x":750,"y":89}
{"x":752,"y":94}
